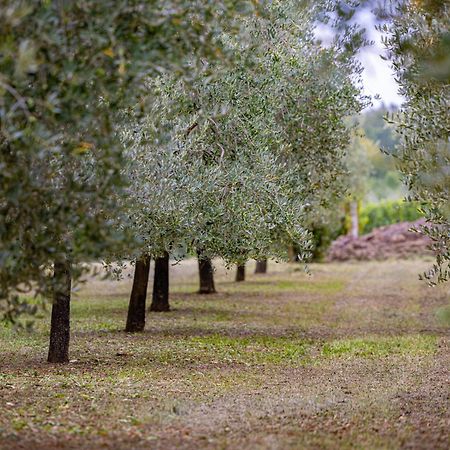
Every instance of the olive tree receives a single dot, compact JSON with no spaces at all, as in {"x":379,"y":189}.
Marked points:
{"x":254,"y":149}
{"x":298,"y":95}
{"x":66,"y":69}
{"x":418,"y":46}
{"x":187,"y":196}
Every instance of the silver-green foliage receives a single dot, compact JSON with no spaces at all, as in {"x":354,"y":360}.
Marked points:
{"x":254,"y":150}
{"x":66,"y":69}
{"x":417,"y":38}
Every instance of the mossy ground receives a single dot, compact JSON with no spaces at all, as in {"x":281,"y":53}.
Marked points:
{"x":353,"y":356}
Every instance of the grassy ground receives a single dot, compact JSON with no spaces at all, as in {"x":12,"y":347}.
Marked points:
{"x":354,"y":356}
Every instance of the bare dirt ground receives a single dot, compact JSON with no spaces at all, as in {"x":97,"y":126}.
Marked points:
{"x":355,"y":356}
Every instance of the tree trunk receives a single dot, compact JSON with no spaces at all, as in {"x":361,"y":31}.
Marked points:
{"x":138,"y":297}
{"x":206,"y":272}
{"x":160,"y":298}
{"x":240,"y":273}
{"x":292,"y":257}
{"x":58,"y":351}
{"x":354,"y":218}
{"x":261,"y":266}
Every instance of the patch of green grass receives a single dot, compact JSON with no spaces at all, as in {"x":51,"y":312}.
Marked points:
{"x":376,"y":347}
{"x":443,"y":315}
{"x":252,"y":350}
{"x":326,"y":286}
{"x":15,"y":340}
{"x":92,"y":308}
{"x":218,"y":350}
{"x":222,"y":316}
{"x":274,"y":285}
{"x":184,"y":288}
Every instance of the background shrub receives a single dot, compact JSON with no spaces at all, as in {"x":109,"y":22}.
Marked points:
{"x":375,"y":215}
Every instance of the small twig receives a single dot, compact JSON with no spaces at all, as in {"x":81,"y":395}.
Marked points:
{"x":20,"y":100}
{"x":190,"y":129}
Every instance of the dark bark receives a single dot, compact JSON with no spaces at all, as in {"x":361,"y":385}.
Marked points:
{"x":240,"y":273}
{"x":293,"y":254}
{"x":160,"y":297}
{"x":261,"y":266}
{"x":206,"y":273}
{"x":138,"y":297}
{"x":58,"y":351}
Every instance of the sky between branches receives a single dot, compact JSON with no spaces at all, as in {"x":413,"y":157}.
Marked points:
{"x":378,"y":77}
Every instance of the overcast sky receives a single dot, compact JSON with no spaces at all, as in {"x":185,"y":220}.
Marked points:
{"x":378,"y":77}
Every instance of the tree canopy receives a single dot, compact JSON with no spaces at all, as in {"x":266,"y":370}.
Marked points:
{"x":418,"y":37}
{"x":66,"y":70}
{"x":253,"y":151}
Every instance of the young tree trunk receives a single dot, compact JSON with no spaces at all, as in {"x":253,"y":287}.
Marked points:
{"x":138,"y":297}
{"x":160,"y":298}
{"x":261,"y":266}
{"x":206,"y":272}
{"x":354,"y":218}
{"x":240,"y":273}
{"x":58,"y":351}
{"x":291,"y":254}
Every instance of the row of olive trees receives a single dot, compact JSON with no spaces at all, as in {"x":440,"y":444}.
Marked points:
{"x":137,"y":129}
{"x":253,"y":152}
{"x":232,"y":163}
{"x":68,"y":71}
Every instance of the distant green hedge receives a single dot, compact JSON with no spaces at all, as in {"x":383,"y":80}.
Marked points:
{"x":376,"y":215}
